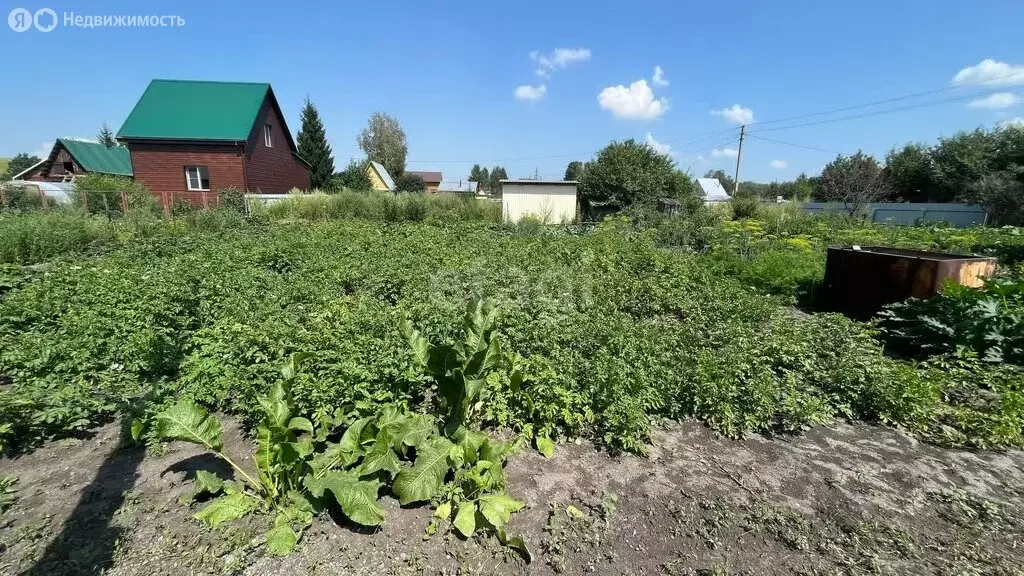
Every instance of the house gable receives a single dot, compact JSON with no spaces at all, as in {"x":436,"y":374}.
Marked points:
{"x":276,"y":168}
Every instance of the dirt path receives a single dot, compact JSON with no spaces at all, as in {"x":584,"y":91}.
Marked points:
{"x":843,"y":500}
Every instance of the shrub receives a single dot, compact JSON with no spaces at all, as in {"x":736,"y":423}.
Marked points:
{"x":745,"y":207}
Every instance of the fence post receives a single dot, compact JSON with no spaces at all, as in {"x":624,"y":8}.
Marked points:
{"x":166,"y":203}
{"x":124,"y":202}
{"x":3,"y":196}
{"x":42,"y":198}
{"x":85,"y":201}
{"x":205,"y":206}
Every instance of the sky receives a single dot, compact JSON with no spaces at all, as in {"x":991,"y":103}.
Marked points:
{"x":534,"y":85}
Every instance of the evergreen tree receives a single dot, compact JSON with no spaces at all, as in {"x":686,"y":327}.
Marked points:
{"x":313,"y":147}
{"x":478,"y":174}
{"x":106,"y":136}
{"x":497,"y":175}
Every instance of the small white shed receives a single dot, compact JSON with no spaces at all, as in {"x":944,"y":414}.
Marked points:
{"x":551,"y":201}
{"x":713,"y":190}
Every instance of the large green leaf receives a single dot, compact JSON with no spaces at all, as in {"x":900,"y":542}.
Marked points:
{"x":276,"y":405}
{"x":267,"y":449}
{"x":498,"y":508}
{"x":470,"y":441}
{"x":352,"y":438}
{"x":281,"y":540}
{"x":357,"y":498}
{"x":465,"y":519}
{"x":415,"y":430}
{"x":420,"y":345}
{"x":335,"y":455}
{"x":380,"y":457}
{"x":190,"y":422}
{"x":424,"y":478}
{"x":545,"y":446}
{"x":226,"y":508}
{"x":206,"y":483}
{"x":300,"y":424}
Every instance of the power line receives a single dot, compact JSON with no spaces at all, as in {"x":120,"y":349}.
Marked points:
{"x":793,"y":144}
{"x":891,"y":100}
{"x":880,"y":112}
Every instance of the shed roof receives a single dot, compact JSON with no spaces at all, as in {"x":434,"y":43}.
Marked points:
{"x":461,"y":186}
{"x":427,"y":176}
{"x":385,"y":177}
{"x":542,"y":182}
{"x":712,"y":189}
{"x":98,"y":158}
{"x":195,"y":110}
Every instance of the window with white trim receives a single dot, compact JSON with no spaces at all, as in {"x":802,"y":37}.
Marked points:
{"x":197,"y":178}
{"x":266,"y":136}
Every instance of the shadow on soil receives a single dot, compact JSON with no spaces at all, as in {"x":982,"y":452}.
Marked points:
{"x":85,"y":546}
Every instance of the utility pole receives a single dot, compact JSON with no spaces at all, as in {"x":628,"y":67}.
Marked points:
{"x":739,"y":155}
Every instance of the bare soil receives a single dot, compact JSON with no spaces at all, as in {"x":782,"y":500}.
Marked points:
{"x":851,"y":499}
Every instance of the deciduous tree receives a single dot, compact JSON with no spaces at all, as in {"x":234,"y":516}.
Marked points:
{"x":631,"y":174}
{"x":855,"y":180}
{"x":574,"y":171}
{"x":383,"y":140}
{"x":19,"y":164}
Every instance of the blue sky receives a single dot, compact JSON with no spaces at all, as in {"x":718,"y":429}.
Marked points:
{"x":449,"y":71}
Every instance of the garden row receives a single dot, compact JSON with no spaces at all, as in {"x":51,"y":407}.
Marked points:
{"x":612,"y":332}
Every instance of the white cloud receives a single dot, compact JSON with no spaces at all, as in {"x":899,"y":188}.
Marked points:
{"x":779,"y":164}
{"x":724,"y":153}
{"x":636,"y":102}
{"x":991,"y":72}
{"x":996,"y":101}
{"x":659,"y":77}
{"x":736,"y":114}
{"x":659,"y":147}
{"x":529,"y":93}
{"x":557,"y":59}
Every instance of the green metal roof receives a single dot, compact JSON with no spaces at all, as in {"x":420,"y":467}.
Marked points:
{"x":195,"y":110}
{"x":95,"y":157}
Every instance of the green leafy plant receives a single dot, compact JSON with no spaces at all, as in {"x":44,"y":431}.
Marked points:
{"x":989,"y":320}
{"x":280,"y":463}
{"x":460,"y":372}
{"x":8,"y":492}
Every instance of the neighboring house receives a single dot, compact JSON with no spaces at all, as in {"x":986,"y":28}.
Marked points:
{"x":197,"y":136}
{"x":712,"y":190}
{"x":458,"y":187}
{"x":380,"y":179}
{"x":71,"y":157}
{"x":431,"y":180}
{"x":550,"y":201}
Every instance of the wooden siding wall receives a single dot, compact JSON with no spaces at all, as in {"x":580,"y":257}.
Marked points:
{"x":272,"y":170}
{"x":161,"y":167}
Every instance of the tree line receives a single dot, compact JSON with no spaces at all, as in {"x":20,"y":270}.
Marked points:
{"x":983,"y":167}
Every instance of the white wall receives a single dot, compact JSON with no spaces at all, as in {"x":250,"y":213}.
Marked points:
{"x":551,"y":203}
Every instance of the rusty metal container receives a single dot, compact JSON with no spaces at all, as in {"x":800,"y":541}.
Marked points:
{"x":860,"y":280}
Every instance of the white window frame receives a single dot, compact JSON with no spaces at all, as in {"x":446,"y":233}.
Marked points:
{"x":199,"y":178}
{"x":268,"y":136}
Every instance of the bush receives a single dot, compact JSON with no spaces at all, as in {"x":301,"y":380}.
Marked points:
{"x":232,"y":199}
{"x":745,"y":207}
{"x":103,"y":194}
